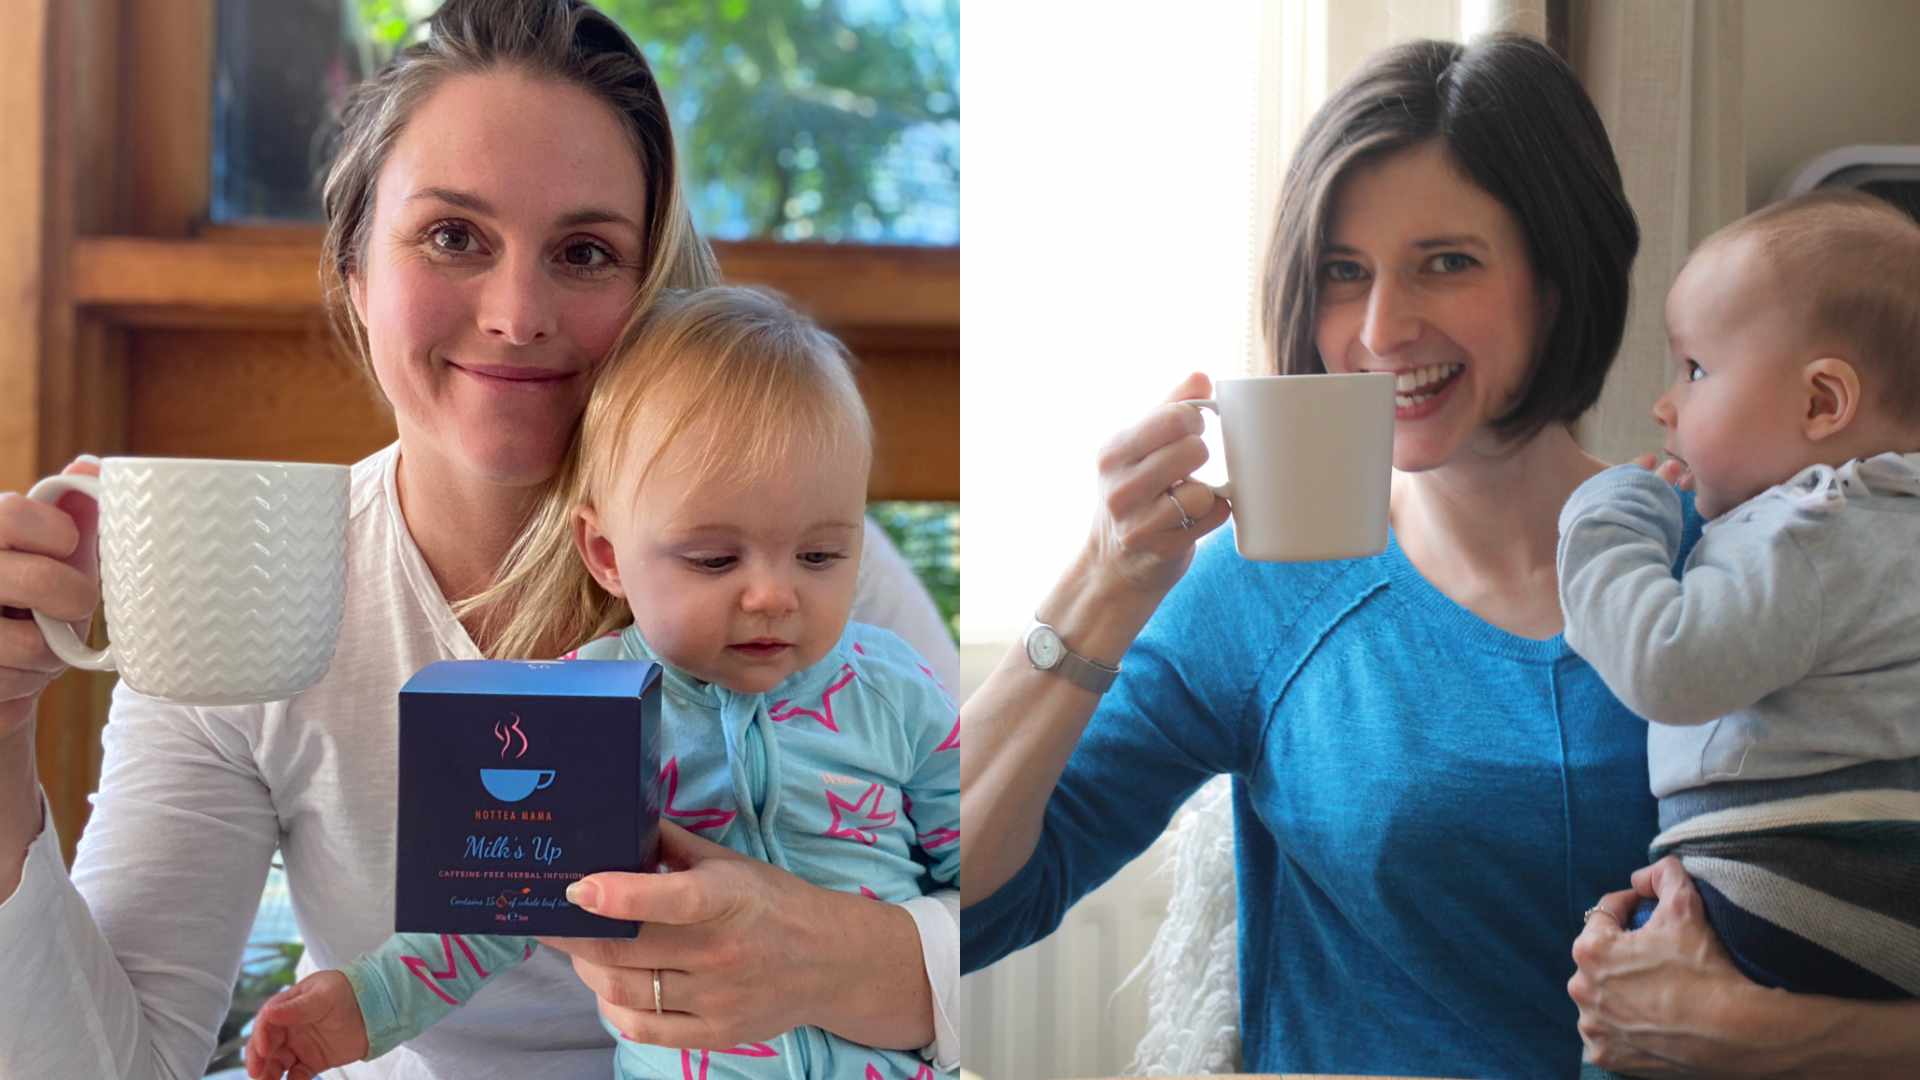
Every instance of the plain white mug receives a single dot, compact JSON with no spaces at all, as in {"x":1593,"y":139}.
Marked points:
{"x":224,"y":581}
{"x":1309,"y":463}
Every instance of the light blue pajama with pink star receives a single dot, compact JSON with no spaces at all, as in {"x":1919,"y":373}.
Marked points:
{"x":847,"y":774}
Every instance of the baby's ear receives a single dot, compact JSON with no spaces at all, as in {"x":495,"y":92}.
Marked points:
{"x":596,"y":551}
{"x":1833,"y":396}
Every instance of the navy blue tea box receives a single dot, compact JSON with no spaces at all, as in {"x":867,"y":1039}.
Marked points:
{"x":516,"y":779}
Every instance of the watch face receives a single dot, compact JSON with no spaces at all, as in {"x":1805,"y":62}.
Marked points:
{"x":1044,"y":647}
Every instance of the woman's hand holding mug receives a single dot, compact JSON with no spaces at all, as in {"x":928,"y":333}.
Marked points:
{"x":1309,"y":463}
{"x":1152,"y":512}
{"x":224,"y":581}
{"x":48,"y":564}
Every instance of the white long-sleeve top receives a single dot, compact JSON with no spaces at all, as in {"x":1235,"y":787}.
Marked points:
{"x":125,"y":969}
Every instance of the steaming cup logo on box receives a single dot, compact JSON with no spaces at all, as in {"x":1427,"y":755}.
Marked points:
{"x":224,"y":581}
{"x":512,"y":785}
{"x":516,"y":779}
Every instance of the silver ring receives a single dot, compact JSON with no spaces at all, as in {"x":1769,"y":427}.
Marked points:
{"x":657,"y":1010}
{"x":1186,"y":519}
{"x":1588,"y":914}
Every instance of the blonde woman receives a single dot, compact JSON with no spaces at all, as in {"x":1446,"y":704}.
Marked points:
{"x":503,"y":200}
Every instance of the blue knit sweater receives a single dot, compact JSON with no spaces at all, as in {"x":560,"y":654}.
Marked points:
{"x":1423,"y":804}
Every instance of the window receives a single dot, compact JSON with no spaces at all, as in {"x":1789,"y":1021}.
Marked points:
{"x":798,"y":120}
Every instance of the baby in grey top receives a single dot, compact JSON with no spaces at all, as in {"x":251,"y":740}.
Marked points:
{"x":1780,"y":670}
{"x":1790,"y":645}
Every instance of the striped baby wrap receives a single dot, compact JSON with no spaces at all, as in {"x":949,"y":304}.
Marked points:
{"x":1812,"y":882}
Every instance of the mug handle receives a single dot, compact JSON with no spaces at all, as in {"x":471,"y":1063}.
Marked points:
{"x":546,"y":780}
{"x":1222,"y":490}
{"x":60,"y":637}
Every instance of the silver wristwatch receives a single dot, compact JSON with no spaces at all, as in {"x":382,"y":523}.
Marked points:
{"x":1047,"y":652}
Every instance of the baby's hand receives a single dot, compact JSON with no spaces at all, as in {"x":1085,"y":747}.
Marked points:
{"x":313,"y":1025}
{"x":1668,"y":468}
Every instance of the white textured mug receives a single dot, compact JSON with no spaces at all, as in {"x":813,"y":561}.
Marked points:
{"x":1309,"y":463}
{"x":224,"y":581}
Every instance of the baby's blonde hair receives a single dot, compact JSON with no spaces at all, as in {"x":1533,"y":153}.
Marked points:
{"x":1851,"y":264}
{"x":736,"y":381}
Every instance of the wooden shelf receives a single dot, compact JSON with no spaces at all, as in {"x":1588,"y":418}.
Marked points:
{"x":273,"y":274}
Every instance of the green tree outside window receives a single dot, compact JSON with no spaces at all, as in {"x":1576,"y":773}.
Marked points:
{"x":834,"y":120}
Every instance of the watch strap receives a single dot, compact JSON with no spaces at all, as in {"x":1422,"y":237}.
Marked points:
{"x":1085,"y":673}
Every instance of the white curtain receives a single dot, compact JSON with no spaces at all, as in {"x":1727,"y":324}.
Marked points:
{"x":1105,"y":226}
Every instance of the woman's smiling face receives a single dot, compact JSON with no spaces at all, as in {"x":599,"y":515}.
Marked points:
{"x":500,"y":263}
{"x":1427,"y":276}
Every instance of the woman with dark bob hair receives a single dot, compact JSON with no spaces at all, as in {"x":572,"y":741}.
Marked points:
{"x":502,"y":202}
{"x":1430,"y":788}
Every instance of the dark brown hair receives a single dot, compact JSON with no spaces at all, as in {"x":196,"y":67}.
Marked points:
{"x":567,"y":41}
{"x":1517,"y":124}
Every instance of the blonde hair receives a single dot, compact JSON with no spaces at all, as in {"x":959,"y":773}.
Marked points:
{"x":566,"y":41}
{"x":732,"y":378}
{"x":1850,"y":263}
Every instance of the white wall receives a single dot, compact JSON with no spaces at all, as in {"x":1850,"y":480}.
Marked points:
{"x":1710,"y":104}
{"x":1827,"y":74}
